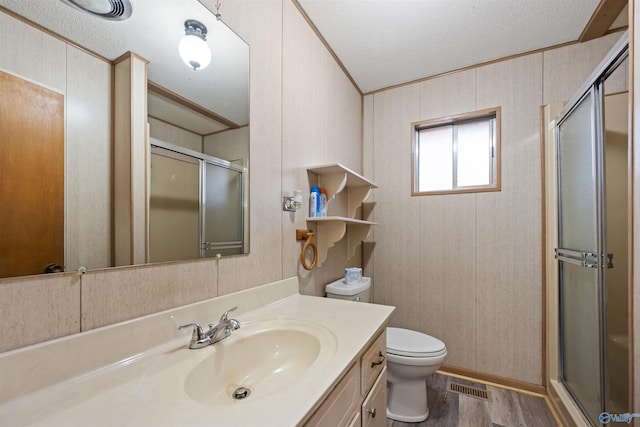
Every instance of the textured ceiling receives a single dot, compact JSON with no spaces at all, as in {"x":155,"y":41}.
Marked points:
{"x":382,"y":43}
{"x":153,"y":32}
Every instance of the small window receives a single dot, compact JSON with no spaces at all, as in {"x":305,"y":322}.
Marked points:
{"x":457,"y":154}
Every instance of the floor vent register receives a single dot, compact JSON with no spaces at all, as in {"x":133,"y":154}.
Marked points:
{"x":466,"y":390}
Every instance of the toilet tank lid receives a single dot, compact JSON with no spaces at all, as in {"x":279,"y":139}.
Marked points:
{"x":339,"y":287}
{"x":405,"y":342}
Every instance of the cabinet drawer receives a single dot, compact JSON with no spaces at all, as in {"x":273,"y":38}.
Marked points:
{"x":341,"y":404}
{"x":373,"y":361}
{"x":374,"y":407}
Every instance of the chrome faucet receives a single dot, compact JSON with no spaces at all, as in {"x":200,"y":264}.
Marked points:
{"x":224,"y":327}
{"x":216,"y":333}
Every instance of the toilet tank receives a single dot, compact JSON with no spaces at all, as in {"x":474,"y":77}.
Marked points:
{"x":359,"y":292}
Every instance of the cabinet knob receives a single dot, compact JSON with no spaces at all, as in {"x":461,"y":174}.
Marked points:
{"x":372,"y":412}
{"x":380,"y":360}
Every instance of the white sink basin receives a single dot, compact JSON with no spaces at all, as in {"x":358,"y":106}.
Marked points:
{"x":259,"y":364}
{"x":257,"y":360}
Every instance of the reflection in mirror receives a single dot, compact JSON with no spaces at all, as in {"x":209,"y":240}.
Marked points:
{"x":196,"y":205}
{"x":70,"y":53}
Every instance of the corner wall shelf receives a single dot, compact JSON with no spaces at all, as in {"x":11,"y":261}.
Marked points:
{"x":335,"y":178}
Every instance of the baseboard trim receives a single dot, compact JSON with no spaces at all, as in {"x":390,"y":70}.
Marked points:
{"x":495,"y":380}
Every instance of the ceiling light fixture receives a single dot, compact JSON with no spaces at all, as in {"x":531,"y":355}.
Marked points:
{"x":115,"y":10}
{"x":193,"y":47}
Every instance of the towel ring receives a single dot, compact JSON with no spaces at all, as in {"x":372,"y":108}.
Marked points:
{"x":303,"y":259}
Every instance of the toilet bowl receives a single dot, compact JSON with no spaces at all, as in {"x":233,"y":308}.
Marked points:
{"x":411,"y":357}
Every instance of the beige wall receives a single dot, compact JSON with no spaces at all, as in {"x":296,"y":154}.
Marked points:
{"x":174,"y":135}
{"x":304,"y":111}
{"x":467,"y":268}
{"x":228,"y":145}
{"x":319,"y":126}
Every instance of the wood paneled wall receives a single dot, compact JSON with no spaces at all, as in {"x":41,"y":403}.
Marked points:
{"x":88,"y":157}
{"x":321,"y":124}
{"x":175,"y":135}
{"x":466,"y":268}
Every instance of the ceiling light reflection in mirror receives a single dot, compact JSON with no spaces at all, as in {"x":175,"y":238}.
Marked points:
{"x":193,"y":47}
{"x":153,"y":32}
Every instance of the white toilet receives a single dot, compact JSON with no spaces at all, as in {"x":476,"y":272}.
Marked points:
{"x":411,"y":357}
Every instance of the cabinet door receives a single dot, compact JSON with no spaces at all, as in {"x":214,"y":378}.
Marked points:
{"x":374,"y":407}
{"x":342,"y":403}
{"x":355,"y":422}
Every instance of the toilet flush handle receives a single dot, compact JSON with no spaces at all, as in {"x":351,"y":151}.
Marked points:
{"x":380,"y":361}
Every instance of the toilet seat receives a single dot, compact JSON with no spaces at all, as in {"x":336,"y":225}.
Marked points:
{"x":408,"y":343}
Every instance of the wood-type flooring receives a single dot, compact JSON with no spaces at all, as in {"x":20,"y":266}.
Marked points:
{"x":507,"y":408}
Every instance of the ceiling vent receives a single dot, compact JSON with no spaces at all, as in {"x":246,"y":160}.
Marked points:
{"x":115,"y":10}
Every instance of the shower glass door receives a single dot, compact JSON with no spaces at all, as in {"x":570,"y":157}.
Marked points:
{"x":174,"y":206}
{"x":578,"y":247}
{"x":223,"y":219}
{"x":196,"y":205}
{"x":583,"y":237}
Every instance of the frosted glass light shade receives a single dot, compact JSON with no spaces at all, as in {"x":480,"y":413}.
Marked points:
{"x":194,"y":52}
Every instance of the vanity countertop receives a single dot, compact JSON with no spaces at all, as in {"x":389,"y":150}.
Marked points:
{"x":133,"y":373}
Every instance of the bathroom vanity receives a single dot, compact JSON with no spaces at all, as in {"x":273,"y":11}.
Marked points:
{"x":360,"y":398}
{"x":295,"y":360}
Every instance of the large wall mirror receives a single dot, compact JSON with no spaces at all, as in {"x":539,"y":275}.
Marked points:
{"x":197,"y":121}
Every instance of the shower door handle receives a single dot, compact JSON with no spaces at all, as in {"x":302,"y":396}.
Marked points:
{"x":581,"y":258}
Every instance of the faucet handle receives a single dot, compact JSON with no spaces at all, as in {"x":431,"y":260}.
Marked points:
{"x":225,"y":316}
{"x":198,"y":333}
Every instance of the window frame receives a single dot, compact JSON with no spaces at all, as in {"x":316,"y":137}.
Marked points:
{"x":416,"y":127}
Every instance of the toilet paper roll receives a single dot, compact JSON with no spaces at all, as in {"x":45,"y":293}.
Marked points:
{"x":352,"y":275}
